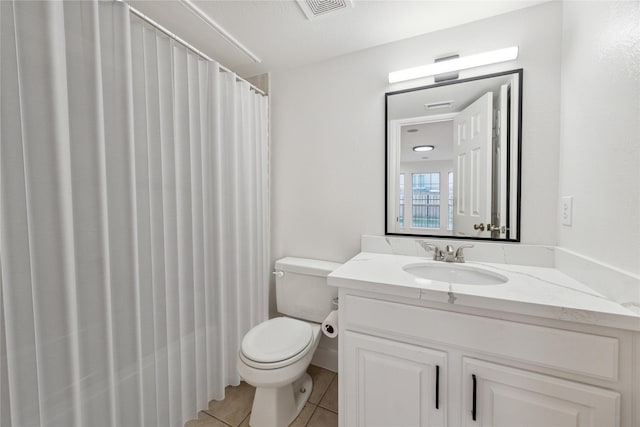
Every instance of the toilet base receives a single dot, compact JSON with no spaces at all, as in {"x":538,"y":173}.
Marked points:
{"x":279,"y":406}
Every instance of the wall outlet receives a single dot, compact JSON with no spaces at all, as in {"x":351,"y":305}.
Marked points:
{"x":566,"y":210}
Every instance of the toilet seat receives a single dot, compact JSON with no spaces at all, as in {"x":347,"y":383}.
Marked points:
{"x":276,"y":342}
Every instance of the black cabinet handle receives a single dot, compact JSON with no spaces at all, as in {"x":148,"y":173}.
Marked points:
{"x":437,"y":386}
{"x":474,"y":409}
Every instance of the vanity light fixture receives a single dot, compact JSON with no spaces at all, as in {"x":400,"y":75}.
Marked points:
{"x":472,"y":61}
{"x":424,"y":148}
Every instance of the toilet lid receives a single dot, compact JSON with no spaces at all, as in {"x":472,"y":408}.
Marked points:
{"x":276,"y":340}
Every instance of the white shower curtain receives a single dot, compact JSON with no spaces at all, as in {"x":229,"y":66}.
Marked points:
{"x":133,"y":219}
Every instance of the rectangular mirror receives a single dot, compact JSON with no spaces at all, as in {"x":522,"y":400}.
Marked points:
{"x":453,"y":158}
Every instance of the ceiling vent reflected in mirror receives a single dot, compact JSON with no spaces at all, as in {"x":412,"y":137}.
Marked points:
{"x":436,"y":105}
{"x":316,"y":8}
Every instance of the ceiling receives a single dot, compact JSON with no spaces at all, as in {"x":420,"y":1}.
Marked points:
{"x":278,"y":33}
{"x":461,"y":94}
{"x":411,"y":105}
{"x":438,"y":134}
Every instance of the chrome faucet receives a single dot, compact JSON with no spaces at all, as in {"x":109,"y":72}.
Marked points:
{"x":448,"y":255}
{"x":437,"y":252}
{"x":459,"y":256}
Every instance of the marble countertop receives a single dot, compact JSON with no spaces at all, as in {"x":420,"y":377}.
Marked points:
{"x":535,"y":291}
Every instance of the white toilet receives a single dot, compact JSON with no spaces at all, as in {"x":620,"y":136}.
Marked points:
{"x":276,"y":353}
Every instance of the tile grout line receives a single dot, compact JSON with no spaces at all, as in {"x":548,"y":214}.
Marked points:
{"x":335,"y":378}
{"x":329,"y":386}
{"x":245,"y":418}
{"x":206,"y":411}
{"x":327,"y":409}
{"x":311,"y":416}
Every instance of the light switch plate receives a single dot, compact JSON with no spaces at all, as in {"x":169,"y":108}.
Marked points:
{"x":566,"y":210}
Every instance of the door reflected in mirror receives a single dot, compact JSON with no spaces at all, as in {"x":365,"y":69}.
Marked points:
{"x":453,"y":158}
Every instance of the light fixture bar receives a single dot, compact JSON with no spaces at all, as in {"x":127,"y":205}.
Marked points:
{"x":466,"y":62}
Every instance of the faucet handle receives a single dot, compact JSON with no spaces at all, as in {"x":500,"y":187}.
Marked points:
{"x":460,"y":254}
{"x":449,"y":249}
{"x":437,"y":252}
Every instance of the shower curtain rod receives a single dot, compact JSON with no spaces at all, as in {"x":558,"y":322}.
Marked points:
{"x":187,"y":45}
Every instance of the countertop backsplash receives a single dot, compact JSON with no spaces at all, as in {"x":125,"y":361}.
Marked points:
{"x":498,"y":252}
{"x":615,"y":284}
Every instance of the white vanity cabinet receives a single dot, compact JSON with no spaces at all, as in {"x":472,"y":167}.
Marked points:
{"x":397,"y":354}
{"x":384,"y":374}
{"x":514,"y":397}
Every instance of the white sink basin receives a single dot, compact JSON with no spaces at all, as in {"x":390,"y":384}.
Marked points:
{"x":455,"y":273}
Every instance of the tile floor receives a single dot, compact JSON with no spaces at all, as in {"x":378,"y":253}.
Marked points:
{"x":320,"y":411}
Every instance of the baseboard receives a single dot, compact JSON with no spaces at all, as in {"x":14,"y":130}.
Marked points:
{"x":326,"y":358}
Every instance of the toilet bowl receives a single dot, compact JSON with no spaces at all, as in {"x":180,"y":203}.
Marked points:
{"x":275,"y":354}
{"x":274,"y":359}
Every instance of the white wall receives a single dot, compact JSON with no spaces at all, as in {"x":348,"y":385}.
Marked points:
{"x":328,"y":133}
{"x":600,"y":116}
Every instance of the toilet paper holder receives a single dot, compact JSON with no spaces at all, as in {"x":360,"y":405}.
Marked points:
{"x":330,"y":323}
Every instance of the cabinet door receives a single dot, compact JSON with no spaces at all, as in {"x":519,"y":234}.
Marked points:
{"x":388,"y":383}
{"x":507,"y":397}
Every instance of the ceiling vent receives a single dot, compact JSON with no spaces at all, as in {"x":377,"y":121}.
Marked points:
{"x":434,"y":105}
{"x":316,"y":8}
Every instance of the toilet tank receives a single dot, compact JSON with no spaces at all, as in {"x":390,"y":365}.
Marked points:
{"x":301,"y":288}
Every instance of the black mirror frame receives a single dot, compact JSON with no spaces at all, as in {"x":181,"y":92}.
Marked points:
{"x":519,"y":72}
